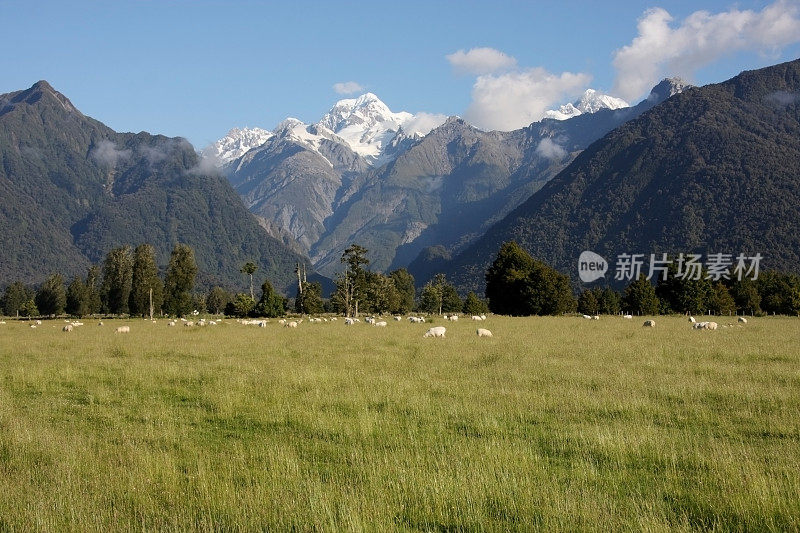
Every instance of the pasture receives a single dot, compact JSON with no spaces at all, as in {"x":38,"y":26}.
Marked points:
{"x":551,"y":424}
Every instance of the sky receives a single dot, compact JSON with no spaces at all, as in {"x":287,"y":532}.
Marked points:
{"x":196,"y":69}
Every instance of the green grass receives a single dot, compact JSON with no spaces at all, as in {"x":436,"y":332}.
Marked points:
{"x":552,"y":424}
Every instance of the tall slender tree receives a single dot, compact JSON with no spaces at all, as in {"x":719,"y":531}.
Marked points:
{"x":145,"y":282}
{"x":117,"y":280}
{"x":179,"y":280}
{"x":51,"y":298}
{"x":250,"y":268}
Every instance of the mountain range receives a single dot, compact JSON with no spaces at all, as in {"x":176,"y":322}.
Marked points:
{"x":368,"y":175}
{"x":714,"y":169}
{"x":71,"y":189}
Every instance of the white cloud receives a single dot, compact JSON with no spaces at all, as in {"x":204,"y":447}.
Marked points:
{"x":347,"y":87}
{"x":702,"y":38}
{"x":106,"y":153}
{"x":549,"y":149}
{"x":481,"y":61}
{"x":515,"y":99}
{"x":423,"y":123}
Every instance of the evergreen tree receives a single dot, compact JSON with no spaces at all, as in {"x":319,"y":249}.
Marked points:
{"x":144,"y":279}
{"x":179,"y":281}
{"x":430,"y":299}
{"x":588,"y":304}
{"x":684,"y":294}
{"x":29,"y":308}
{"x":117,"y":280}
{"x":15,"y":297}
{"x":51,"y":298}
{"x":381,"y":295}
{"x":217,"y":299}
{"x":351,"y":285}
{"x":404,"y":286}
{"x":475,"y":306}
{"x":77,"y":298}
{"x":780,"y":292}
{"x":745,"y":294}
{"x":640,"y":297}
{"x":721,"y":302}
{"x":506,"y":279}
{"x":271,"y":303}
{"x":608,"y":301}
{"x":310,"y":300}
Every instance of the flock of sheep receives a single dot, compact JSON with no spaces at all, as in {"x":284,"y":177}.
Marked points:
{"x":437,"y":331}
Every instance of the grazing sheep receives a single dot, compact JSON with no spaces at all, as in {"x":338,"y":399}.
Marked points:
{"x":262,"y":324}
{"x":483,"y":317}
{"x":711,"y":325}
{"x":33,"y":326}
{"x":68,"y":327}
{"x":476,"y":317}
{"x":398,"y":318}
{"x":188,"y":324}
{"x":2,"y":322}
{"x":699,"y":325}
{"x":333,"y":319}
{"x":587,"y":317}
{"x":292,"y":324}
{"x":171,"y":323}
{"x":437,"y":331}
{"x":742,"y":319}
{"x":692,"y":320}
{"x":38,"y":322}
{"x":629,"y":317}
{"x":349,"y":321}
{"x":483,"y":332}
{"x":596,"y":317}
{"x":123,"y":329}
{"x":453,"y":318}
{"x":381,"y":324}
{"x":649,"y":324}
{"x":99,"y":323}
{"x":76,"y":324}
{"x":212,"y":323}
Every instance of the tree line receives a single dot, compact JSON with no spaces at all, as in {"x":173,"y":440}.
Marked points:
{"x":517,"y":284}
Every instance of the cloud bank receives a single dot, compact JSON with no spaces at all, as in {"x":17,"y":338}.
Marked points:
{"x":106,"y":153}
{"x":662,"y":48}
{"x":423,"y":123}
{"x":515,"y":99}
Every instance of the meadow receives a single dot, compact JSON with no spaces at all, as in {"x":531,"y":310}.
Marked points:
{"x":553,"y":424}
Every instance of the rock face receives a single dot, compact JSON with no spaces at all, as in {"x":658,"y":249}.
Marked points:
{"x":711,"y":170}
{"x":71,"y":189}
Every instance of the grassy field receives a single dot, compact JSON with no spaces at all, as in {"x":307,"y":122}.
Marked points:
{"x":553,"y":424}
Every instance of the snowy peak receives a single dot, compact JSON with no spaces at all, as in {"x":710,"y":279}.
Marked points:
{"x":591,"y":102}
{"x":365,"y":125}
{"x":236,"y":143}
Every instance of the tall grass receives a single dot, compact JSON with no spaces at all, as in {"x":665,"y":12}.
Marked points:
{"x":552,"y":424}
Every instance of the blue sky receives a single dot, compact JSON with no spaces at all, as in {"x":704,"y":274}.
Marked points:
{"x":197,"y":68}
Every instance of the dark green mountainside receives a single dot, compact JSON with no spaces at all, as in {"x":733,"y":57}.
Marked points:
{"x":72,"y":188}
{"x":712,"y":170}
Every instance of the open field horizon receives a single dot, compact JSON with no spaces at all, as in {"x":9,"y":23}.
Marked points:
{"x":555,"y":423}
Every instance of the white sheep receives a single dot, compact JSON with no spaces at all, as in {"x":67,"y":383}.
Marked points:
{"x":38,"y":322}
{"x":188,"y":324}
{"x":76,"y":324}
{"x":453,"y":318}
{"x":475,"y":317}
{"x":398,"y":318}
{"x":692,"y":320}
{"x":629,"y":317}
{"x":437,"y":331}
{"x":587,"y":317}
{"x":742,"y":319}
{"x":483,"y":332}
{"x":171,"y":323}
{"x":68,"y":327}
{"x":711,"y":325}
{"x":349,"y":321}
{"x":381,"y":324}
{"x":596,"y":317}
{"x":123,"y":329}
{"x":100,"y":323}
{"x":649,"y":324}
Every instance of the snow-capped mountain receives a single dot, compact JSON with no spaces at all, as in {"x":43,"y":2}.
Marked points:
{"x":591,"y":102}
{"x":236,"y":143}
{"x":365,"y":125}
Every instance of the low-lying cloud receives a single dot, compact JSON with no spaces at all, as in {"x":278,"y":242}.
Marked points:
{"x":549,"y":149}
{"x":107,"y":154}
{"x":423,"y":123}
{"x":662,"y":48}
